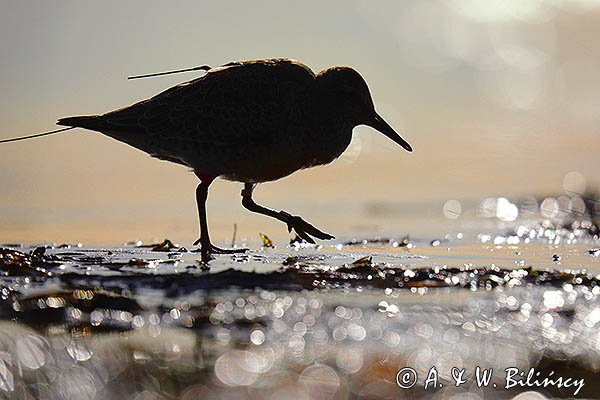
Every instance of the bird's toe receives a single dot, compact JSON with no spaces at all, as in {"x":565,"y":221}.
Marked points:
{"x":218,"y":250}
{"x":303,"y":229}
{"x":304,"y":236}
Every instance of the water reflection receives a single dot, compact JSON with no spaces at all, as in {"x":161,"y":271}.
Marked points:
{"x":339,"y":352}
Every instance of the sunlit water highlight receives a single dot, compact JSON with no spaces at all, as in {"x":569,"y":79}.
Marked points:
{"x":306,"y":322}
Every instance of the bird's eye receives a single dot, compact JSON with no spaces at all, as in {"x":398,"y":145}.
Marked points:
{"x":346,"y":89}
{"x":349,"y":94}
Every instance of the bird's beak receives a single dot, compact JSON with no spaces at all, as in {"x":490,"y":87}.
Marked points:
{"x":378,"y":123}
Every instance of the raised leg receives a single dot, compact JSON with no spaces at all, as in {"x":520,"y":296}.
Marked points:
{"x":206,"y":247}
{"x":300,"y":226}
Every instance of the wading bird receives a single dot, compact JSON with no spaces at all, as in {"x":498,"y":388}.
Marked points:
{"x":249,"y":122}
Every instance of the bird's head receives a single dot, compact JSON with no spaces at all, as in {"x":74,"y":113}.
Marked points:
{"x":348,"y":93}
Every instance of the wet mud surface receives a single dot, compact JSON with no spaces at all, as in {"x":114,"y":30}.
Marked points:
{"x":154,"y":322}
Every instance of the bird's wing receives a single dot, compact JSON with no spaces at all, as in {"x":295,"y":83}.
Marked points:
{"x":245,"y":102}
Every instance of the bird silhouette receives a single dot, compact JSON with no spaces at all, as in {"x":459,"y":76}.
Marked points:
{"x":250,"y":122}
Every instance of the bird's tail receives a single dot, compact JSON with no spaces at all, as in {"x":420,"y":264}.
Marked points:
{"x":87,"y":121}
{"x":132,"y":135}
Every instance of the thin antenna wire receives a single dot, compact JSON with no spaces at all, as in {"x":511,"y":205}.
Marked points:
{"x":202,"y":67}
{"x":37,"y":135}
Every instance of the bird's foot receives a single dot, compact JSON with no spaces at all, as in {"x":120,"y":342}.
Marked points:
{"x":303,"y":228}
{"x":208,"y":249}
{"x":218,"y":250}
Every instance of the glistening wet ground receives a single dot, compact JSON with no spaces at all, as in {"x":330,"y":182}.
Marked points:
{"x":305,"y":322}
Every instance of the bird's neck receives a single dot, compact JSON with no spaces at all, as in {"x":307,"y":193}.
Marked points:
{"x":331,"y":133}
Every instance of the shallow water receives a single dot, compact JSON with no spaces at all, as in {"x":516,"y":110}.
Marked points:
{"x":305,"y":322}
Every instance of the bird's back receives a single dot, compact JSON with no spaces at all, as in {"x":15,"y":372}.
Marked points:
{"x":222,"y":123}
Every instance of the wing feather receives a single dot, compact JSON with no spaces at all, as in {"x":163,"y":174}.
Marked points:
{"x":237,"y":104}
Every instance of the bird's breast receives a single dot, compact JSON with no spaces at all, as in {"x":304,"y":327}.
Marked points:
{"x":284,"y":154}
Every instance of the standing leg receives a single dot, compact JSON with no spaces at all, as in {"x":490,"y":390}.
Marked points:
{"x":302,"y":228}
{"x":201,"y":196}
{"x":206,"y":247}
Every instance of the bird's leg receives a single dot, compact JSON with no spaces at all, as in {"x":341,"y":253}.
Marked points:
{"x":206,"y":247}
{"x":302,"y":228}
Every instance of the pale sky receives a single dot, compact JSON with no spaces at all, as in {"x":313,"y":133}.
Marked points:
{"x":495,"y":100}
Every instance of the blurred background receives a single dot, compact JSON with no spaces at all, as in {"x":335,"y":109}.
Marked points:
{"x":498,"y":98}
